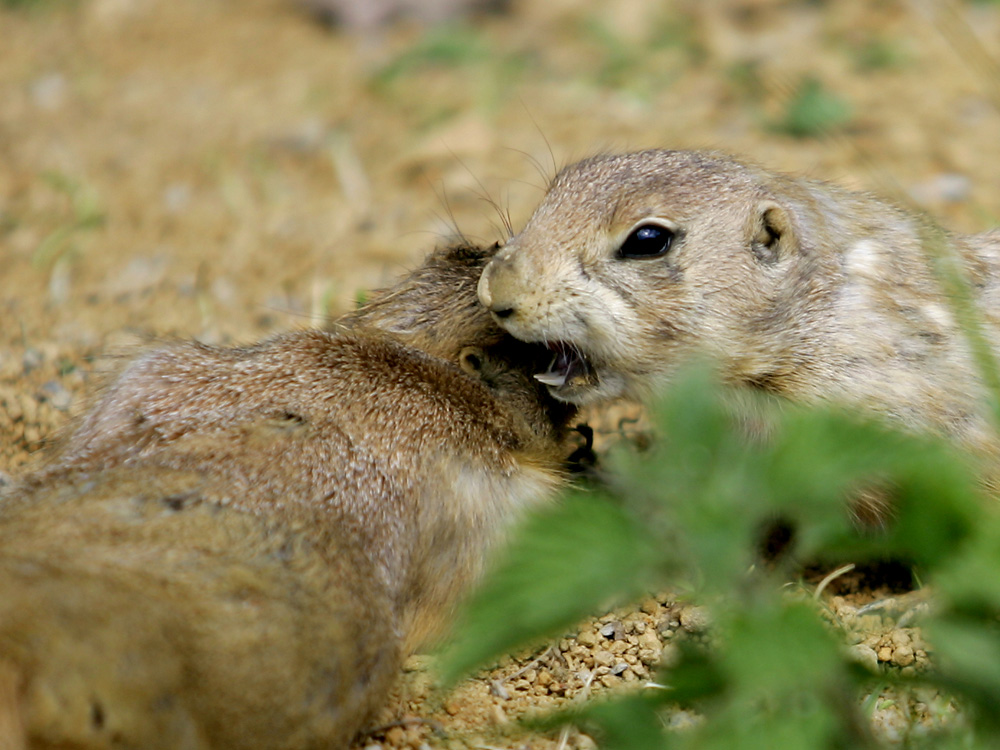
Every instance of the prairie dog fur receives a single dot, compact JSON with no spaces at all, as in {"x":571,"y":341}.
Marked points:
{"x":796,"y":287}
{"x":236,"y":548}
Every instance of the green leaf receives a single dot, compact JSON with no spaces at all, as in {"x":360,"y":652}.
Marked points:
{"x":631,"y":723}
{"x":970,"y":582}
{"x":762,"y":724}
{"x":693,"y":508}
{"x":779,"y":649}
{"x":968,"y":651}
{"x":582,"y":555}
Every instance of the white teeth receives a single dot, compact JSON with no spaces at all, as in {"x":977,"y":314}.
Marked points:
{"x":554,"y":379}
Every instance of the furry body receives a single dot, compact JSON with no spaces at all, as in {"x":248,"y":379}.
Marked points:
{"x":236,"y":548}
{"x":793,"y":286}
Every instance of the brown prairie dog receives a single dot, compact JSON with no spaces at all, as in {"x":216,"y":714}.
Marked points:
{"x":236,"y":547}
{"x":795,"y":287}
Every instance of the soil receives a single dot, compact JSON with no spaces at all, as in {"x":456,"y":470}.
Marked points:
{"x":224,"y":169}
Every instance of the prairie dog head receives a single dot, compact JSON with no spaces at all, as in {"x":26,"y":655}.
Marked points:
{"x":435,"y":309}
{"x":632,"y":261}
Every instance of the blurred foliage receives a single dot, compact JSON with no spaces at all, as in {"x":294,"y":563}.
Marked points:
{"x":635,"y":66}
{"x":691,"y":511}
{"x":450,"y":46}
{"x":879,"y":53}
{"x":85,"y":214}
{"x":646,"y":65}
{"x":812,"y":110}
{"x":490,"y":74}
{"x":747,"y":81}
{"x":35,"y":4}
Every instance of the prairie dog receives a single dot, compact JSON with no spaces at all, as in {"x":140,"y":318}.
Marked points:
{"x":236,"y":548}
{"x":796,"y":287}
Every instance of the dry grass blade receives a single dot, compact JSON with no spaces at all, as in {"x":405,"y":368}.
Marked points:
{"x":947,"y":17}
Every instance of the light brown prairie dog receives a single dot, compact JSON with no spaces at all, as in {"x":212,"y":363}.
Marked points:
{"x":236,"y":548}
{"x":796,"y":287}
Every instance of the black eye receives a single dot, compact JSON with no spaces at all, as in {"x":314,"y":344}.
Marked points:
{"x":647,"y":241}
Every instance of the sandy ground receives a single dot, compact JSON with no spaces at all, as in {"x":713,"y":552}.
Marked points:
{"x":225,"y":169}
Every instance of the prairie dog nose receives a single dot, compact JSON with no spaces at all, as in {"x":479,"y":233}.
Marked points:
{"x":495,"y":288}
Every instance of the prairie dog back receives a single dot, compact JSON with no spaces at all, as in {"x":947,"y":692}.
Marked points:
{"x":236,"y":547}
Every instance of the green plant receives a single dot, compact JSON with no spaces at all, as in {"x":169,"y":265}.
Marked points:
{"x":691,"y":511}
{"x":645,"y":65}
{"x":85,"y":215}
{"x":458,"y":61}
{"x":879,"y":53}
{"x":29,"y":6}
{"x":812,"y":110}
{"x":445,"y":47}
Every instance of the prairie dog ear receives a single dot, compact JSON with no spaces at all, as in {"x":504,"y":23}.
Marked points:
{"x":481,"y":364}
{"x":471,"y":359}
{"x":772,"y":235}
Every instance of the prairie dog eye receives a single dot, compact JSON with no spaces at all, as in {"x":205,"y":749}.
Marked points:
{"x":647,"y":241}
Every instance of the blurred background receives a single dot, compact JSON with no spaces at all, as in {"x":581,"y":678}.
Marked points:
{"x":227,"y":168}
{"x":222,"y":168}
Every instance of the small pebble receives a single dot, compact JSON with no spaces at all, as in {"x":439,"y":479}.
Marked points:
{"x":613,"y":630}
{"x":900,"y":638}
{"x":889,"y":721}
{"x":57,"y":394}
{"x":650,"y":606}
{"x":649,"y":656}
{"x":902,"y":656}
{"x":620,"y":647}
{"x":499,"y":716}
{"x":49,"y":91}
{"x":604,"y":658}
{"x":497,"y":689}
{"x":694,"y":619}
{"x":395,"y":736}
{"x":649,"y":640}
{"x":32,"y":360}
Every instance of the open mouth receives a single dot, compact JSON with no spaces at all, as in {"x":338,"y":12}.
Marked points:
{"x":568,"y":367}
